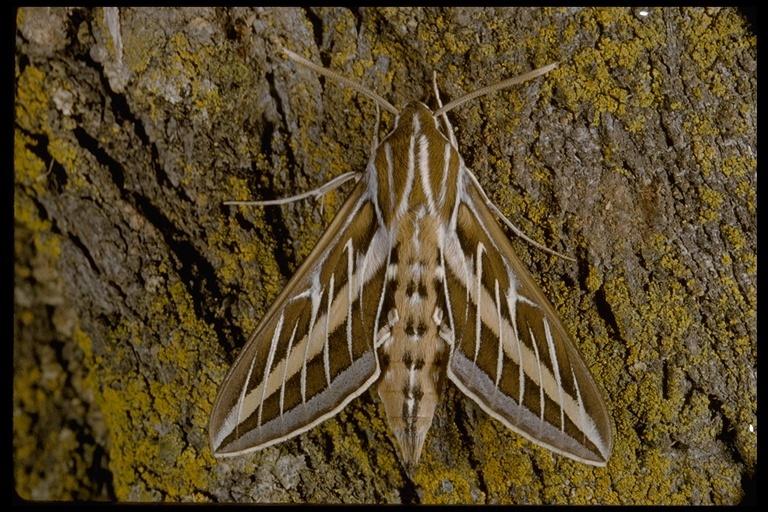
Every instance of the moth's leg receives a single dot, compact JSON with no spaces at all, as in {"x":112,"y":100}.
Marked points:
{"x":375,"y":141}
{"x":508,"y":222}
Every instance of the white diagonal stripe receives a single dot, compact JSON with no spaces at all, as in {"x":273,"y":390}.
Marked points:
{"x":326,"y":360}
{"x":285,"y":368}
{"x":500,"y":355}
{"x":350,"y":291}
{"x":555,"y":370}
{"x":535,"y":344}
{"x":270,"y":358}
{"x":478,"y":297}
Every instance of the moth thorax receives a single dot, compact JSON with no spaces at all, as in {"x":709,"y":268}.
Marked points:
{"x":416,"y":167}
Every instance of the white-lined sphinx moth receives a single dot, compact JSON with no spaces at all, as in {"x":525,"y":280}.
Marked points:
{"x":412,"y":282}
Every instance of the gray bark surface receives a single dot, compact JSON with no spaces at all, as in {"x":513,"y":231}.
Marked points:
{"x":135,"y":287}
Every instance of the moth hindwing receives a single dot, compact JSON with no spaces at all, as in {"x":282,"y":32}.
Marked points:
{"x":413,"y":281}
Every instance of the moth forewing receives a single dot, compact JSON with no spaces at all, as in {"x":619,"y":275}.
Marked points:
{"x":412,"y":282}
{"x":284,"y":381}
{"x":514,"y":357}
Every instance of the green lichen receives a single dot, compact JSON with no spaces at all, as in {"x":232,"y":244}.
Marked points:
{"x":735,"y":237}
{"x":594,"y":279}
{"x":31,"y":111}
{"x":49,"y":463}
{"x":190,"y":73}
{"x":28,"y":169}
{"x":712,"y":201}
{"x":144,"y":416}
{"x":32,"y":99}
{"x":446,"y":487}
{"x":592,"y":71}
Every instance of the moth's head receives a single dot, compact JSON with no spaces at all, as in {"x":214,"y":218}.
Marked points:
{"x":415,"y":117}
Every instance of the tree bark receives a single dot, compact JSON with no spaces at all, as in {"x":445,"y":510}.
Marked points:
{"x":135,"y":287}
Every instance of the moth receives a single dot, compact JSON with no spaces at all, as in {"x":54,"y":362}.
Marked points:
{"x":412,"y":282}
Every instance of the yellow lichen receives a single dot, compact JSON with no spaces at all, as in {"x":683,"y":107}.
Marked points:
{"x":712,"y":200}
{"x":32,"y":99}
